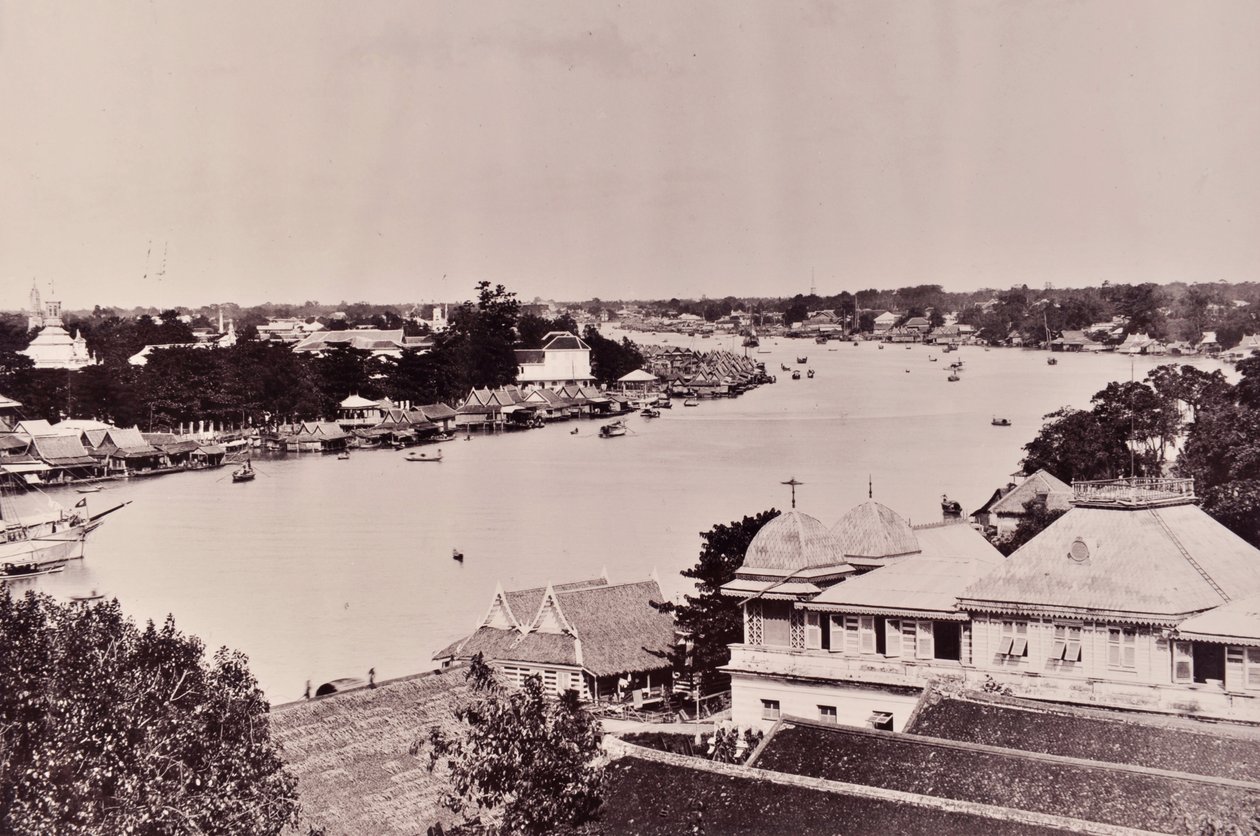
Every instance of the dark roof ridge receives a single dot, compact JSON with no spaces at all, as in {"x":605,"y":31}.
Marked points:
{"x":966,"y":746}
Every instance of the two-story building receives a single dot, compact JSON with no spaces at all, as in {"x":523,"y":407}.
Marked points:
{"x":563,"y":360}
{"x":1135,"y":598}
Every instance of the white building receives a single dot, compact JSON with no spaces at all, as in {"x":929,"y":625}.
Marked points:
{"x":564,"y":360}
{"x":1135,"y":599}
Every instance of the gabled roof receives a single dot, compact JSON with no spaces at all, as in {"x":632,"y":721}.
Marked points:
{"x":437,"y":411}
{"x":1149,"y":563}
{"x":953,"y":556}
{"x":563,"y":340}
{"x":605,"y":628}
{"x":357,"y":402}
{"x":37,"y":426}
{"x":323,"y":429}
{"x":873,"y":531}
{"x":61,"y":450}
{"x":1057,"y":492}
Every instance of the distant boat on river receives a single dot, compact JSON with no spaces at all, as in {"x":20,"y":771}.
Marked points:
{"x":245,"y":473}
{"x":613,"y":429}
{"x":417,"y":456}
{"x":1001,"y":422}
{"x":19,"y":571}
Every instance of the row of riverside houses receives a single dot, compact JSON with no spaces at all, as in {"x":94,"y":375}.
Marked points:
{"x":37,"y":452}
{"x":1135,"y":599}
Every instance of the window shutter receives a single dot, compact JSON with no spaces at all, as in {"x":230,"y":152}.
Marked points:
{"x":1183,"y":662}
{"x":867,"y":627}
{"x":1130,"y":648}
{"x":1114,"y":650}
{"x":924,"y":647}
{"x":907,"y":638}
{"x":1253,"y":667}
{"x":852,"y":640}
{"x":813,"y":633}
{"x":892,"y":637}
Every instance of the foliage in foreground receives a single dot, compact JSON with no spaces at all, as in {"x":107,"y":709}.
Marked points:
{"x":526,"y":762}
{"x":106,"y":728}
{"x":711,"y":620}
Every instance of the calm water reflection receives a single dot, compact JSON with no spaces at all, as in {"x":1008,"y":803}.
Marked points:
{"x":323,"y":568}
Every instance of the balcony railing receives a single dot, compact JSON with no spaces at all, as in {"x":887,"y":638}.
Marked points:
{"x":1133,"y":492}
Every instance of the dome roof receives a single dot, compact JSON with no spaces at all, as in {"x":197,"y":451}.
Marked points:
{"x":874,"y":530}
{"x":793,"y":541}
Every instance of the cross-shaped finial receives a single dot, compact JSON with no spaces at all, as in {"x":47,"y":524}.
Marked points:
{"x":793,"y":483}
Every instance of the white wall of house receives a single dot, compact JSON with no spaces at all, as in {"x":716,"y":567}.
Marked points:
{"x":753,"y":701}
{"x":558,"y":368}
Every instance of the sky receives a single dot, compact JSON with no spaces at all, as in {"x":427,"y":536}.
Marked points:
{"x":192,"y":153}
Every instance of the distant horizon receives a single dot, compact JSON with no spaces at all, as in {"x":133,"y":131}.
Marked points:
{"x":161,"y":154}
{"x":527,"y":300}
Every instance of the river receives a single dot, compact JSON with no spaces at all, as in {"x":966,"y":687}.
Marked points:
{"x":322,"y":568}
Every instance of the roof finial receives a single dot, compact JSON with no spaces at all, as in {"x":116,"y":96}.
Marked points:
{"x":793,"y":483}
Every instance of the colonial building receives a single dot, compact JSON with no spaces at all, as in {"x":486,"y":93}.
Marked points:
{"x":1009,"y":505}
{"x":1135,"y":598}
{"x":563,"y":360}
{"x":605,"y":641}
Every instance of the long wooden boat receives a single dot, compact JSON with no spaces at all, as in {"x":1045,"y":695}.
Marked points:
{"x":21,"y":571}
{"x":417,"y":456}
{"x":614,"y":429}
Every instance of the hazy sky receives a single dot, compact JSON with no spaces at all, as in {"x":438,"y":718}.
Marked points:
{"x":390,"y":151}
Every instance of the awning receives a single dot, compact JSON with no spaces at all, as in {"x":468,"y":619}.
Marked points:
{"x":211,"y":450}
{"x":24,"y":467}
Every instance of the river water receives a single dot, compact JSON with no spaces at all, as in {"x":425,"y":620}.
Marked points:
{"x":322,"y":568}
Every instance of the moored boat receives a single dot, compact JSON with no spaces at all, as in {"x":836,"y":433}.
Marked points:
{"x":613,"y":429}
{"x":47,"y":538}
{"x":19,"y":571}
{"x":651,"y":412}
{"x":418,"y":456}
{"x":692,"y":401}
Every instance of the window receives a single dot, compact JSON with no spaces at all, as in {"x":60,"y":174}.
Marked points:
{"x":776,"y":623}
{"x":866,"y":631}
{"x":1121,"y":648}
{"x":924,"y":646}
{"x":549,"y":681}
{"x":892,"y":637}
{"x":769,"y":709}
{"x":1014,"y":639}
{"x":852,"y":636}
{"x":827,"y":713}
{"x":817,"y":630}
{"x":1253,"y":667}
{"x":947,"y":637}
{"x":1183,"y":662}
{"x":1067,"y":643}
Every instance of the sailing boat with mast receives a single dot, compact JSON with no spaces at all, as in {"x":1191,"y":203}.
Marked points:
{"x":40,"y":539}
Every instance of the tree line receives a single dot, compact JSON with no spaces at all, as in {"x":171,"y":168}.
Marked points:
{"x":259,"y":383}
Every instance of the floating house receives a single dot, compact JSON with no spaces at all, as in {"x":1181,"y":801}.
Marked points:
{"x":317,"y":437}
{"x":604,"y":641}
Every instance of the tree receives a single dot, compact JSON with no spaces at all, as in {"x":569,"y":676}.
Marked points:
{"x":1074,"y":444}
{"x":1037,"y":517}
{"x":610,"y":360}
{"x":106,"y":728}
{"x":711,"y":620}
{"x":526,"y":761}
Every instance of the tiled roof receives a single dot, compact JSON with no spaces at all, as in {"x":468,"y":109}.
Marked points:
{"x":437,"y":411}
{"x":619,"y":629}
{"x":563,"y":340}
{"x":1237,"y":622}
{"x":953,"y":557}
{"x":9,"y":441}
{"x":873,"y":530}
{"x":1057,"y":492}
{"x":62,"y":450}
{"x":1155,"y":741}
{"x":1106,"y":793}
{"x":1163,"y":562}
{"x":793,"y":540}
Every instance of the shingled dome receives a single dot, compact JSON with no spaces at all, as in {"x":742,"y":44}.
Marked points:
{"x":875,"y":531}
{"x":793,"y":541}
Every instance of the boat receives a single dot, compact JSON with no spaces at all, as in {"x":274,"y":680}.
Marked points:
{"x":802,"y":360}
{"x":691,"y":402}
{"x":751,"y":341}
{"x":417,"y":456}
{"x":832,"y":349}
{"x":881,"y":346}
{"x":343,"y":455}
{"x":651,"y":412}
{"x":932,"y":358}
{"x":1001,"y":422}
{"x":444,"y":437}
{"x":613,"y":429}
{"x":245,"y":473}
{"x":89,"y":489}
{"x":19,"y":571}
{"x":50,"y":537}
{"x":796,"y":375}
{"x":784,"y":367}
{"x":820,"y":340}
{"x":810,"y":374}
{"x":664,"y":403}
{"x":84,"y":599}
{"x":950,"y":507}
{"x":457,"y":555}
{"x":956,"y":365}
{"x":1052,"y":361}
{"x":953,"y":378}
{"x":763,"y":351}
{"x":573,"y":431}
